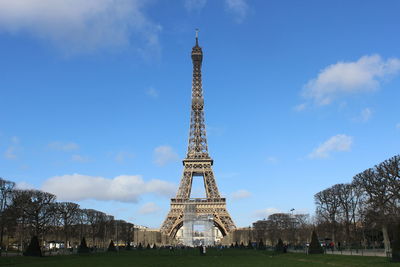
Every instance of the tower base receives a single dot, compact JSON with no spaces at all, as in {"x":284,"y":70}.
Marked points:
{"x":200,"y":208}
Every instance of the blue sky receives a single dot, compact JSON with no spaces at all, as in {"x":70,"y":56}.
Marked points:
{"x":95,"y":99}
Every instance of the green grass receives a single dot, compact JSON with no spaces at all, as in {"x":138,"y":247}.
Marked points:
{"x":230,"y":257}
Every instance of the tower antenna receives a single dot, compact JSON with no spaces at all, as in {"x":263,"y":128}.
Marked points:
{"x":197,"y":37}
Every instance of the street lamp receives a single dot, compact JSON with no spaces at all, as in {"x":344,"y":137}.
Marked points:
{"x":293,"y":225}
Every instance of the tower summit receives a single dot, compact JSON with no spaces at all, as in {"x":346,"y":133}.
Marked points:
{"x":197,"y":148}
{"x":197,"y":163}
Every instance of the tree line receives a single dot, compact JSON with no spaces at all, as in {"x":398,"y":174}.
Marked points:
{"x":293,"y":229}
{"x":28,"y":213}
{"x":362,"y":213}
{"x":365,"y":211}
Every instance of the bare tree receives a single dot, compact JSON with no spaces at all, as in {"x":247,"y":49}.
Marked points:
{"x":390,"y":171}
{"x":68,"y":214}
{"x":381,"y":202}
{"x":328,"y":204}
{"x":109,"y":229}
{"x":27,"y":213}
{"x":303,"y":227}
{"x":96,"y":221}
{"x":128,"y":236}
{"x":36,"y":208}
{"x":349,"y":197}
{"x":281,"y":226}
{"x":124,"y":232}
{"x":6,"y":188}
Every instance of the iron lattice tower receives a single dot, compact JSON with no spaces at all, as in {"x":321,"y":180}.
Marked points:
{"x":198,"y":163}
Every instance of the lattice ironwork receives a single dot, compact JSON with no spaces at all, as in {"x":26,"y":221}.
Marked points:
{"x":197,"y":148}
{"x":198,"y":162}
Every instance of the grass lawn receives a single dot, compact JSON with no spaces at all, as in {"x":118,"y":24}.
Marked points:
{"x":230,"y":257}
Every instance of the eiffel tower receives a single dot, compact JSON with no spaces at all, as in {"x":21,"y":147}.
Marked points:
{"x":197,"y":163}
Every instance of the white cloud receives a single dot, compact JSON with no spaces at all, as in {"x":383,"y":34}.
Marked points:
{"x":161,"y":187}
{"x":300,"y":107}
{"x":192,"y":5}
{"x":264,"y":213}
{"x":60,"y":146}
{"x":10,"y":153}
{"x":366,"y":114}
{"x":80,"y":158}
{"x":152,"y":92}
{"x":123,"y":188}
{"x":122,"y":156}
{"x":24,"y":186}
{"x":14,"y":147}
{"x":15,"y":140}
{"x":398,"y":125}
{"x":164,"y":155}
{"x":149,"y":208}
{"x":239,"y":8}
{"x":340,"y":142}
{"x":80,"y":25}
{"x":240,"y":194}
{"x":344,"y":78}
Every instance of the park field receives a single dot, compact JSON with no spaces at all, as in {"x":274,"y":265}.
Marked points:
{"x":229,"y":257}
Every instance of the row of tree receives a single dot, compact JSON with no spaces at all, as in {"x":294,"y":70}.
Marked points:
{"x":363,"y":211}
{"x":294,"y":229}
{"x":28,"y":213}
